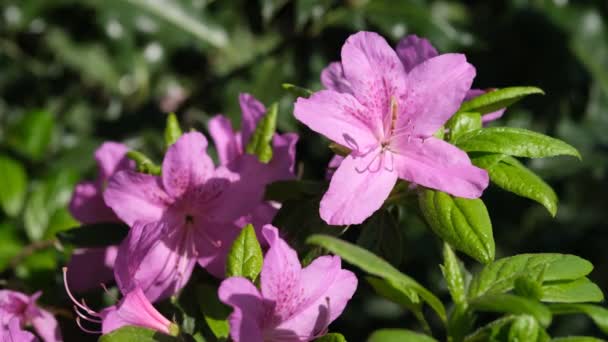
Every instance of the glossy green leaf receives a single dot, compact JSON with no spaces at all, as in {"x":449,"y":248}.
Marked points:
{"x":576,"y":291}
{"x":508,"y":303}
{"x":95,"y":235}
{"x":13,"y":185}
{"x":331,"y":337}
{"x":463,"y":223}
{"x":214,"y":311}
{"x":598,"y":314}
{"x":453,"y":275}
{"x":132,"y":333}
{"x":528,"y":287}
{"x":398,"y":335}
{"x":500,"y":276}
{"x":462,"y":122}
{"x":497,"y":99}
{"x":245,"y":257}
{"x":260,"y":143}
{"x":577,"y":339}
{"x":172,"y":130}
{"x":375,"y":265}
{"x":524,"y":328}
{"x":494,"y":331}
{"x":513,"y":141}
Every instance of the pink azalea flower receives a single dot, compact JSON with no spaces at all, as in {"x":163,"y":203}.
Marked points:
{"x":18,"y":310}
{"x":186,"y":215}
{"x":294,"y":303}
{"x":133,"y":309}
{"x":387,"y":117}
{"x":92,"y":266}
{"x":231,"y":147}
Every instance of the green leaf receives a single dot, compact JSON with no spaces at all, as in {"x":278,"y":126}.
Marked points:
{"x":261,"y":139}
{"x":143,"y":163}
{"x":132,"y":333}
{"x":95,"y":235}
{"x":576,"y":291}
{"x":297,"y":91}
{"x":214,"y":311}
{"x":407,"y":298}
{"x":33,"y":134}
{"x":524,"y":328}
{"x":462,"y":122}
{"x":172,"y":130}
{"x":463,"y":223}
{"x":285,"y":190}
{"x":331,"y":337}
{"x":398,"y":335}
{"x":516,"y":142}
{"x":577,"y":339}
{"x":491,"y":331}
{"x":508,"y":303}
{"x":453,"y":275}
{"x":500,"y":275}
{"x":13,"y":185}
{"x":374,"y":265}
{"x":598,"y":314}
{"x":11,"y":244}
{"x":497,"y":99}
{"x":513,"y":176}
{"x":528,"y":287}
{"x":245,"y":257}
{"x":381,"y":235}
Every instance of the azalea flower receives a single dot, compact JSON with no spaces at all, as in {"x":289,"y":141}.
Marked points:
{"x":18,"y":310}
{"x":92,"y":266}
{"x":185,"y":216}
{"x":133,"y":309}
{"x":231,"y":148}
{"x":387,"y":117}
{"x":294,"y":303}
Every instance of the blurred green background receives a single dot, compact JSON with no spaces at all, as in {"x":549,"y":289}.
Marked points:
{"x":76,"y":73}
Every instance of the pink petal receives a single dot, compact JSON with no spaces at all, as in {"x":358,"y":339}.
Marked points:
{"x":332,"y":78}
{"x":87,"y":204}
{"x":90,"y":267}
{"x":333,"y":164}
{"x":156,"y":257}
{"x":436,"y":164}
{"x":46,"y":326}
{"x":213,"y":241}
{"x":284,"y":156}
{"x":413,"y":50}
{"x":13,"y":332}
{"x":358,"y":188}
{"x":327,"y":289}
{"x":224,"y":139}
{"x":253,"y":110}
{"x":246,"y":319}
{"x":136,"y":197}
{"x":376,"y":76}
{"x":13,"y":303}
{"x":186,"y":164}
{"x":134,"y":309}
{"x":111,"y":157}
{"x":340,"y":117}
{"x":437,"y":88}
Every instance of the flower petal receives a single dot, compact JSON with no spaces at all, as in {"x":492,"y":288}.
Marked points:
{"x":213,"y":241}
{"x":136,"y":196}
{"x":87,"y":204}
{"x":46,"y":326}
{"x":246,"y":319}
{"x":228,"y":149}
{"x":252,"y":111}
{"x":437,"y":88}
{"x":12,"y":332}
{"x":376,"y":76}
{"x":332,"y":78}
{"x":439,"y":165}
{"x":340,"y":117}
{"x":358,"y":188}
{"x":156,"y":257}
{"x":90,"y":267}
{"x":413,"y":50}
{"x":111,"y":157}
{"x":186,"y":164}
{"x":134,"y":309}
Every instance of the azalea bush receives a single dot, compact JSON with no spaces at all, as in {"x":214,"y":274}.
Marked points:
{"x":202,"y":231}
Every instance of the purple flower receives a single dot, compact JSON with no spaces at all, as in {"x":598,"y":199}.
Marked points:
{"x":294,"y":304}
{"x":133,"y":309}
{"x":12,"y":332}
{"x":387,"y":117}
{"x":92,"y":266}
{"x":186,"y":215}
{"x":18,"y":310}
{"x":231,"y":147}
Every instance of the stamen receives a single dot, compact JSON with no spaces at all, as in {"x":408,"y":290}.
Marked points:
{"x":394,"y":113}
{"x":111,"y":295}
{"x":83,"y":316}
{"x":83,"y":306}
{"x":85,"y":329}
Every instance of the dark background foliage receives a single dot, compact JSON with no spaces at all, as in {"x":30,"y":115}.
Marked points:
{"x":76,"y":73}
